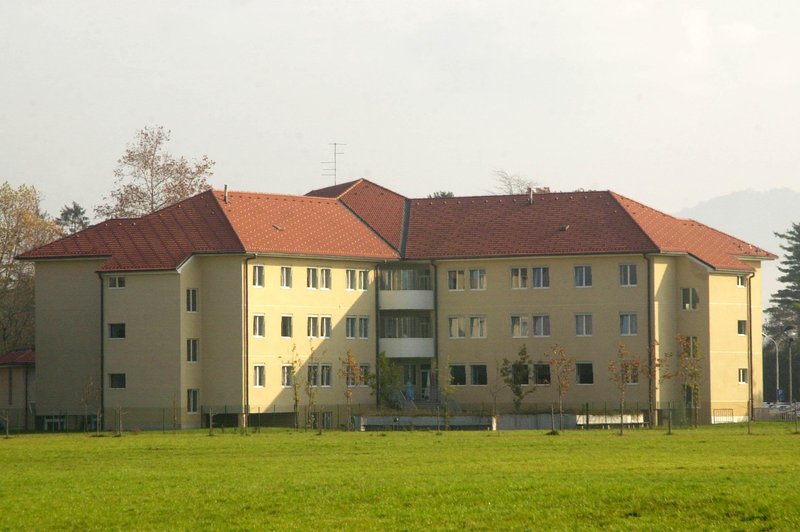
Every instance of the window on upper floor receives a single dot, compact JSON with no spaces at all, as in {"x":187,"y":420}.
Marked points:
{"x":519,"y":326}
{"x":350,"y":279}
{"x":689,"y":345}
{"x":325,"y":278}
{"x":456,"y":280}
{"x":258,"y":276}
{"x":363,"y":327}
{"x":456,"y":326}
{"x":477,"y":326}
{"x":477,"y":279}
{"x":519,"y":278}
{"x":363,"y":279}
{"x":258,"y":376}
{"x":689,"y":299}
{"x":116,"y":380}
{"x":541,"y":277}
{"x":541,"y":325}
{"x":628,"y":324}
{"x":313,"y":375}
{"x":583,"y":324}
{"x":287,"y":375}
{"x":325,"y":327}
{"x":627,"y":275}
{"x":258,"y":325}
{"x":458,"y":375}
{"x":311,"y":278}
{"x":478,"y":376}
{"x":312,"y":326}
{"x":350,"y":326}
{"x":286,"y":326}
{"x":742,"y":375}
{"x":325,"y":375}
{"x":286,"y":276}
{"x":583,"y":276}
{"x":192,"y":349}
{"x":191,"y":299}
{"x":541,"y":373}
{"x":741,"y":327}
{"x":584,"y":373}
{"x":116,"y":281}
{"x":116,"y":330}
{"x":630,"y":372}
{"x":741,"y":281}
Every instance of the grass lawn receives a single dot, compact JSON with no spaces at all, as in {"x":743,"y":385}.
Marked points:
{"x":707,"y":478}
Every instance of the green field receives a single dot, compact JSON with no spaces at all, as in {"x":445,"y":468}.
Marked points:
{"x":707,"y":478}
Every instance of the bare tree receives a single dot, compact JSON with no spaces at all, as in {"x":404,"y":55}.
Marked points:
{"x":686,"y":366}
{"x":562,"y":368}
{"x":294,"y":365}
{"x":624,"y":370}
{"x":148,"y":178}
{"x":508,"y":183}
{"x":517,"y":376}
{"x":441,"y":194}
{"x":350,"y":372}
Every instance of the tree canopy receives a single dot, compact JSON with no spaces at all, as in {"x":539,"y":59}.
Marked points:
{"x":73,"y":218}
{"x":148,"y":178}
{"x":787,"y":299}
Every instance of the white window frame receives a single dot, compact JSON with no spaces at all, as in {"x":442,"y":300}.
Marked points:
{"x":192,"y":400}
{"x":742,"y":375}
{"x":461,"y":331}
{"x":541,"y":325}
{"x":191,"y":299}
{"x":477,"y":276}
{"x":363,"y":280}
{"x":350,"y":327}
{"x":258,"y":276}
{"x":350,"y":279}
{"x":286,"y":276}
{"x":287,"y":318}
{"x":363,"y":327}
{"x":480,"y":323}
{"x":583,"y":324}
{"x":325,"y":375}
{"x":690,"y":299}
{"x":192,"y":350}
{"x":259,"y":374}
{"x":521,"y":324}
{"x":287,"y":375}
{"x":312,"y":326}
{"x":583,"y":276}
{"x":540,"y":277}
{"x":741,"y":281}
{"x":259,"y":325}
{"x":116,"y":282}
{"x":628,"y":324}
{"x":313,"y":375}
{"x":312,"y":278}
{"x":459,"y":280}
{"x":626,"y":273}
{"x":519,"y":278}
{"x":325,"y":326}
{"x":325,"y":278}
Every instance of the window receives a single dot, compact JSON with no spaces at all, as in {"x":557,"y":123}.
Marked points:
{"x":458,"y":375}
{"x":192,"y":400}
{"x":116,"y":282}
{"x":741,"y":281}
{"x":325,"y":327}
{"x":350,"y":279}
{"x":520,"y":373}
{"x":258,"y":276}
{"x":363,"y":327}
{"x":741,"y":327}
{"x":541,"y":277}
{"x":286,"y":326}
{"x":363,"y":376}
{"x":311,"y":278}
{"x":313,"y":326}
{"x":286,"y":376}
{"x":258,"y":375}
{"x":116,"y":330}
{"x":456,"y":326}
{"x":742,"y":375}
{"x":286,"y":276}
{"x":325,"y":278}
{"x":258,"y":325}
{"x":627,"y":275}
{"x":477,"y":279}
{"x":628,"y":324}
{"x":689,"y":345}
{"x":116,"y":380}
{"x":584,"y":373}
{"x":191,"y":300}
{"x":519,"y":326}
{"x":455,"y":280}
{"x":325,"y":375}
{"x":477,"y":327}
{"x":350,"y":326}
{"x":519,"y":278}
{"x":325,"y":418}
{"x":478,"y":375}
{"x":583,"y":324}
{"x":541,"y":325}
{"x":313,"y":375}
{"x":689,"y":299}
{"x":583,"y":276}
{"x":363,"y":279}
{"x":541,"y":373}
{"x":630,"y":372}
{"x":192,"y":349}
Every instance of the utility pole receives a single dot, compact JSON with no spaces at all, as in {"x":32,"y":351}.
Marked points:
{"x":331,"y":170}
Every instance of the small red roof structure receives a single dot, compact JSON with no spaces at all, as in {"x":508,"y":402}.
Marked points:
{"x":20,"y":357}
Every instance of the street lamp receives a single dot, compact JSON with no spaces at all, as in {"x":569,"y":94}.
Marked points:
{"x":790,"y":333}
{"x":777,"y":365}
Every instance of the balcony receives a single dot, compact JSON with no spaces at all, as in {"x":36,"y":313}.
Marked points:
{"x":405,"y":300}
{"x":407,"y":347}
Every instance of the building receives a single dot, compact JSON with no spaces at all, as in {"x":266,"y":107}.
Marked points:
{"x":223,"y":301}
{"x":17,"y":389}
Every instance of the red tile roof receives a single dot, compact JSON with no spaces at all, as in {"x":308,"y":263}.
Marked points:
{"x":382,"y":209}
{"x":301,"y":225}
{"x":21,"y":357}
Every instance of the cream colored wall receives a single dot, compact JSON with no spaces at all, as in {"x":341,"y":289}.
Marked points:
{"x":67,"y":335}
{"x":273,"y":351}
{"x":605,"y":300}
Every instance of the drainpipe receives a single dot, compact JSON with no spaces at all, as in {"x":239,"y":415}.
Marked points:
{"x":377,"y":338}
{"x":101,"y":385}
{"x":246,"y":329}
{"x":436,"y":324}
{"x":750,"y":409}
{"x":651,"y":348}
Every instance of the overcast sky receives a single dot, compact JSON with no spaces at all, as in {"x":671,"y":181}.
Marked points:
{"x":670,"y":103}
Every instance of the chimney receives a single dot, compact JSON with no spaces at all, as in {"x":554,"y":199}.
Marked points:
{"x":530,"y":195}
{"x":225,"y":194}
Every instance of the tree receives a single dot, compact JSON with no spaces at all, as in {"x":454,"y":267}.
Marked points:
{"x":686,"y":366}
{"x":562,"y":372}
{"x":293,"y":377}
{"x":387,"y":382}
{"x":624,"y":370}
{"x":508,"y":183}
{"x":148,"y":178}
{"x":73,"y":219}
{"x":350,"y":371}
{"x":517,"y":375}
{"x":22,"y":227}
{"x":441,"y":194}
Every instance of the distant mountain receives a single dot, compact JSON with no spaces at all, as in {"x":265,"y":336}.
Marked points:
{"x":753,"y":216}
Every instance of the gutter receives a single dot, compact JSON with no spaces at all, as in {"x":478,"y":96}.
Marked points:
{"x":650,"y":343}
{"x":436,"y":335}
{"x":751,"y":408}
{"x":101,"y":384}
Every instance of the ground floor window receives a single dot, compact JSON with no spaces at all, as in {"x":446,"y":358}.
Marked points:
{"x":584,"y":373}
{"x":116,"y":380}
{"x":458,"y":375}
{"x":192,"y":400}
{"x":541,"y":373}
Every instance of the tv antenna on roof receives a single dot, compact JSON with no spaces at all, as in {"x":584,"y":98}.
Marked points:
{"x":331,"y":170}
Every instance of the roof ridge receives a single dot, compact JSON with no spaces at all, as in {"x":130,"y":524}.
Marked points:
{"x":633,"y":219}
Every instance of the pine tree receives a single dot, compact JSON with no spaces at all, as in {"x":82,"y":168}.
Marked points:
{"x":73,"y":218}
{"x":787,"y":300}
